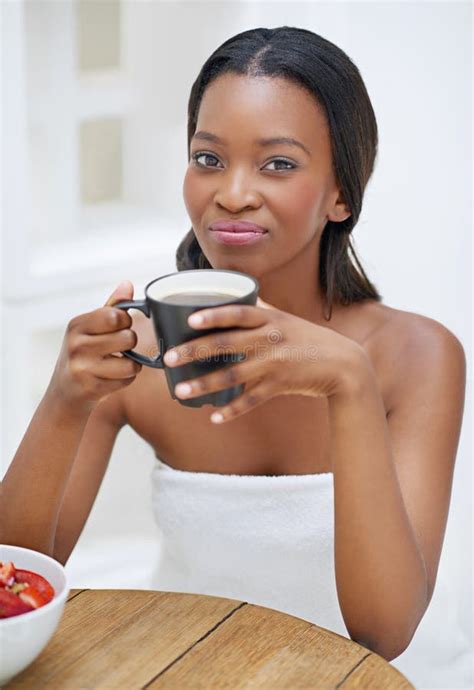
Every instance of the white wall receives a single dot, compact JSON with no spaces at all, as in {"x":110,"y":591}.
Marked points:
{"x":62,"y":256}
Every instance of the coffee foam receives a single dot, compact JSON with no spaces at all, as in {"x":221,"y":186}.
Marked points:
{"x":205,"y":291}
{"x":200,"y":281}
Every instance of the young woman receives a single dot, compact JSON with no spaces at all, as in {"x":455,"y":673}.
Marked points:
{"x":350,"y":418}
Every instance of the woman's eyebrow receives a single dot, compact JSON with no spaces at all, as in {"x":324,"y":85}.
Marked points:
{"x":269,"y":141}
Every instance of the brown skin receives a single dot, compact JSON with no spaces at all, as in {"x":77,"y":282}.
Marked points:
{"x":79,"y":403}
{"x":243,"y":183}
{"x":287,"y":434}
{"x":388,"y":429}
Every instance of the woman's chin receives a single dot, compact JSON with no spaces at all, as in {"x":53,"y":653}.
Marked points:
{"x":242,"y":265}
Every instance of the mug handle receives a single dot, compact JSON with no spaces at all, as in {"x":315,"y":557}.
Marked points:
{"x":131,"y":354}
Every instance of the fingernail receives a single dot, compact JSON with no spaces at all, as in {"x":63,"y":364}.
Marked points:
{"x":183,"y":389}
{"x":195,"y":320}
{"x":171,"y":357}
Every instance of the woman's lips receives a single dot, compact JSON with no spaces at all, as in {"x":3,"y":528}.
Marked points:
{"x":236,"y":226}
{"x":237,"y":232}
{"x":237,"y":238}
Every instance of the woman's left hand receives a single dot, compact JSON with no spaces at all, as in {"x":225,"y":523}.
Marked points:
{"x":284,"y":355}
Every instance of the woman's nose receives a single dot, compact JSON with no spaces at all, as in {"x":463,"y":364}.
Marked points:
{"x":236,"y":192}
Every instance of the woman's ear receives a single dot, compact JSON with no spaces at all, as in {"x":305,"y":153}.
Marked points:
{"x":340,"y":211}
{"x":339,"y":216}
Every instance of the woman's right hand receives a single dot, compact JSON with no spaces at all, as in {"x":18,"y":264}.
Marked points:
{"x":87,"y":370}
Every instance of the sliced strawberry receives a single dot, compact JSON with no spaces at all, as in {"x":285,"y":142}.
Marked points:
{"x":31,"y":596}
{"x":7,"y":574}
{"x":12,"y":605}
{"x":37,"y":581}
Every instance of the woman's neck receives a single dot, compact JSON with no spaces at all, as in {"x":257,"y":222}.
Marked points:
{"x":295,"y":287}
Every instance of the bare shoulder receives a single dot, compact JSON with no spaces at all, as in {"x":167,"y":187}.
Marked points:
{"x":416,"y":334}
{"x":414,"y":348}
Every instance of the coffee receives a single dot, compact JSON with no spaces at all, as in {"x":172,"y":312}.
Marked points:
{"x":197,"y":299}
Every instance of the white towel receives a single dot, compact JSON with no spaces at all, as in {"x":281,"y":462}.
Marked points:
{"x":266,"y":540}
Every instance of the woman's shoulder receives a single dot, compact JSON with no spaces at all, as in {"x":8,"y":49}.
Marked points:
{"x":412,"y":329}
{"x":410,"y":346}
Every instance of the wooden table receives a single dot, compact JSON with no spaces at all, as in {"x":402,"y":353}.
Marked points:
{"x":131,"y":639}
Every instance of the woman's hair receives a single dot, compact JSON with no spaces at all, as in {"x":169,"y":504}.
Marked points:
{"x":324,"y":70}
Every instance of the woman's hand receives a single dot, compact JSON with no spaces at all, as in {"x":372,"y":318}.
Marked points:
{"x":284,"y":355}
{"x":87,"y":369}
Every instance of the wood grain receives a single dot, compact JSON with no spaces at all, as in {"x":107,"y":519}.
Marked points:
{"x":261,"y":648}
{"x":101,"y":629}
{"x":73,"y":593}
{"x":374,"y":673}
{"x":138,"y":639}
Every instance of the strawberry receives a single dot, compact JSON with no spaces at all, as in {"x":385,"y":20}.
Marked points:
{"x":41,"y":585}
{"x":12,"y":605}
{"x":31,"y":596}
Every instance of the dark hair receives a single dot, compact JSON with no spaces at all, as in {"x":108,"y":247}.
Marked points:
{"x":324,"y":70}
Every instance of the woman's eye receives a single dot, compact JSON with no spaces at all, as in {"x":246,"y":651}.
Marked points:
{"x":206,"y":156}
{"x":278,"y":161}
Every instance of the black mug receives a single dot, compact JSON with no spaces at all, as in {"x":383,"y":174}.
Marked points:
{"x":169,"y":301}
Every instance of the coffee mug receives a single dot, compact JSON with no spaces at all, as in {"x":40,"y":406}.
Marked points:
{"x":169,"y":301}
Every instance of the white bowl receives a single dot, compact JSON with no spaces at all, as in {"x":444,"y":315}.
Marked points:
{"x":23,"y":637}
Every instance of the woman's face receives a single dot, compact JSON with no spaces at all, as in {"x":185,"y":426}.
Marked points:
{"x":287,"y":188}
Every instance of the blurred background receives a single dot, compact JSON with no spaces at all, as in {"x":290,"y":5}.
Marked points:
{"x":94,"y":106}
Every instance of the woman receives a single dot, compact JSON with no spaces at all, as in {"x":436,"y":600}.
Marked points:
{"x":354,"y":405}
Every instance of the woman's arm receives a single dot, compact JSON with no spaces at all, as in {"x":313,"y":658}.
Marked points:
{"x":77,"y":415}
{"x":50,"y":486}
{"x":392,"y":478}
{"x":392,"y":484}
{"x":34,"y":483}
